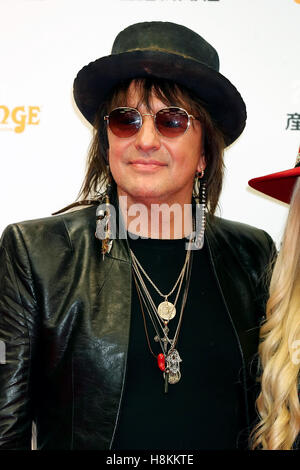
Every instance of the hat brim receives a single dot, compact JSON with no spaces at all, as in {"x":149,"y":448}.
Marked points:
{"x":278,"y":185}
{"x":220,"y":97}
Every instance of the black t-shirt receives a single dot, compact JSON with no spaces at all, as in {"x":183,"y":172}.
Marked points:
{"x":205,"y":409}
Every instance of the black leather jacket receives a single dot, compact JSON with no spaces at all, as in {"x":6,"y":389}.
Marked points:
{"x":65,"y":317}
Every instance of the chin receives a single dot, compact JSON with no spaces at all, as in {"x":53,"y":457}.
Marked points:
{"x":143,"y":192}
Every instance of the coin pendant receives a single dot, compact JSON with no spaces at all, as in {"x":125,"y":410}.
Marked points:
{"x":174,"y":378}
{"x":166,"y":310}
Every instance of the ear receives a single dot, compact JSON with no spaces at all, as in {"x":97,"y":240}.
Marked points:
{"x":202,"y":163}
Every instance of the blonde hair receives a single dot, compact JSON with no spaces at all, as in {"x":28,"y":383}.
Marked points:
{"x":279,"y":350}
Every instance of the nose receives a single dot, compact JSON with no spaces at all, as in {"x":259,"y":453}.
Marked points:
{"x":147,"y":139}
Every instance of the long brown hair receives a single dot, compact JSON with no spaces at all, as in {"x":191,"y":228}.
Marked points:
{"x":97,"y":173}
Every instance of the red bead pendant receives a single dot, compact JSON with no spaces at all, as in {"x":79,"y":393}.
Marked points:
{"x":161,"y":361}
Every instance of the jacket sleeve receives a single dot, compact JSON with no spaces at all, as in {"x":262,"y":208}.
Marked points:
{"x":17,"y":331}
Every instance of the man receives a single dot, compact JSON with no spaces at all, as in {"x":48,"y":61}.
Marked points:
{"x":136,"y":339}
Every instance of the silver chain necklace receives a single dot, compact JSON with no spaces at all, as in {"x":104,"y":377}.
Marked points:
{"x":169,"y":360}
{"x":166,"y":310}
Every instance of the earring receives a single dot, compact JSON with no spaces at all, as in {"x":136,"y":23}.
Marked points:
{"x":103,"y":223}
{"x":200,"y":198}
{"x":197,"y":185}
{"x":199,"y":174}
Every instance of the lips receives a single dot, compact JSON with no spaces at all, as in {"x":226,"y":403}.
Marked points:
{"x":147,"y":163}
{"x":146,"y":166}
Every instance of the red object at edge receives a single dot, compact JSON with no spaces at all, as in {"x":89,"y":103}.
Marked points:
{"x":161,"y":361}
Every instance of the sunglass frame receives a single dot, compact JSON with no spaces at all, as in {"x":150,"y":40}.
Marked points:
{"x":189,"y":116}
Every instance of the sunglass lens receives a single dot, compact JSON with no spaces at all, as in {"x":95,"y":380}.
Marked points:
{"x":124,"y":122}
{"x":172,"y":122}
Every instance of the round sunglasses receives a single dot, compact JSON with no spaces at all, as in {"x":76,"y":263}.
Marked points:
{"x":169,"y":122}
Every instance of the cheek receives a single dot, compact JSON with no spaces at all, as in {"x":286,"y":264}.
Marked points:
{"x":115,"y":151}
{"x":114,"y":160}
{"x":187,"y":155}
{"x":118,"y":148}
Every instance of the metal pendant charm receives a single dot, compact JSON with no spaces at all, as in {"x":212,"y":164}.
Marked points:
{"x":103,"y":226}
{"x":173,"y":364}
{"x":174,"y":378}
{"x":166,"y":310}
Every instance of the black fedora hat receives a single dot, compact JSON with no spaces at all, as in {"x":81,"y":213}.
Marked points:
{"x":168,"y":51}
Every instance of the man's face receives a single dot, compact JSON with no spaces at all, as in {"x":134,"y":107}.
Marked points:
{"x":150,"y":168}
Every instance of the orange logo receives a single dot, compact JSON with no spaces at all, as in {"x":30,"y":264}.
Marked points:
{"x":297,"y":1}
{"x":19,"y":117}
